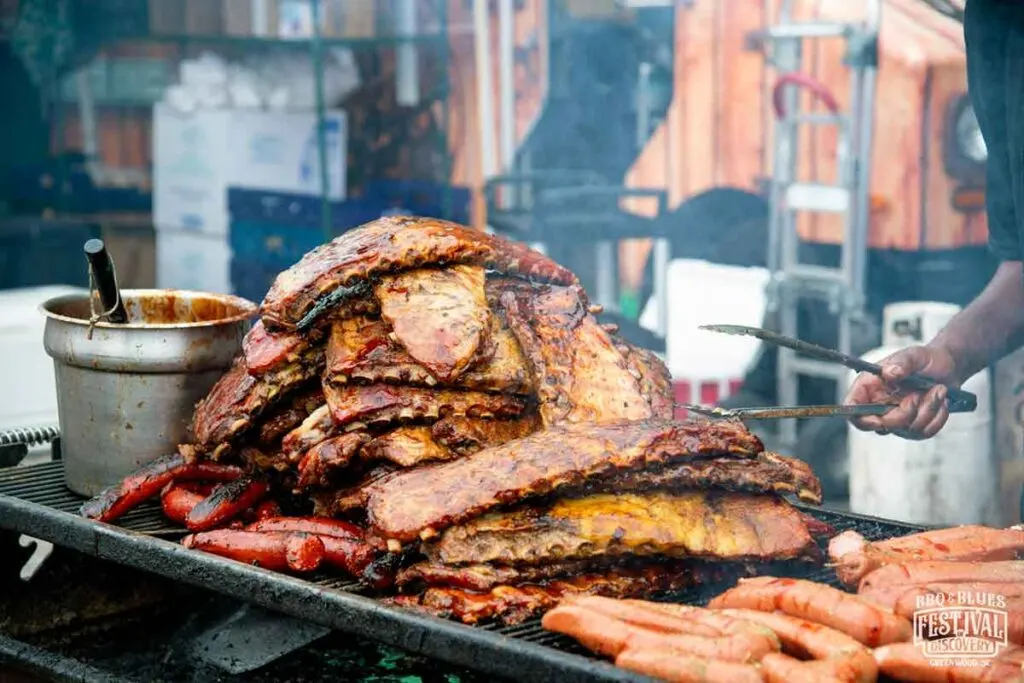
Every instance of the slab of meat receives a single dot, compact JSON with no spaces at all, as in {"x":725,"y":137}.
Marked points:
{"x":515,"y":604}
{"x":484,"y":577}
{"x":767,"y":473}
{"x":315,"y":429}
{"x":331,"y":503}
{"x":727,"y":526}
{"x":361,"y":349}
{"x":428,"y":499}
{"x":406,"y":447}
{"x":580,"y":374}
{"x":654,"y":377}
{"x":329,"y":457}
{"x":439,"y":315}
{"x":855,"y":557}
{"x":290,"y":414}
{"x":393,"y":244}
{"x":381,"y":404}
{"x":466,"y":435}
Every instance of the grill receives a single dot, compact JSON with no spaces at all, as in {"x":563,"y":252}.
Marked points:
{"x":34,"y":501}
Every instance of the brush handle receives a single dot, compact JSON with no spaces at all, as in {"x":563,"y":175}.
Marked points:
{"x":106,"y":284}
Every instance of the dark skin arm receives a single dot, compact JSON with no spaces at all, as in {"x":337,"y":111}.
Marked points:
{"x":989,"y":328}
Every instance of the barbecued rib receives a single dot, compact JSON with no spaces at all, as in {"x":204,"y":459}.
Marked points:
{"x":579,"y":373}
{"x":709,"y":524}
{"x":393,"y":244}
{"x":327,"y":458}
{"x":767,"y":473}
{"x":515,"y":604}
{"x":289,"y":414}
{"x":332,"y":503}
{"x":406,"y":447}
{"x":382,"y":404}
{"x":428,"y":499}
{"x":466,"y":435}
{"x":438,"y":315}
{"x":361,"y":349}
{"x":315,"y":429}
{"x":654,"y":377}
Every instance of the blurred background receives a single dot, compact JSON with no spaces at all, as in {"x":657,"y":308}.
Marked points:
{"x":798,"y":164}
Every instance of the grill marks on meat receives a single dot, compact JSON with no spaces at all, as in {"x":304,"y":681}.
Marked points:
{"x":432,"y":498}
{"x":380,"y":404}
{"x":406,"y":447}
{"x":515,"y":604}
{"x":361,"y":349}
{"x":725,"y":526}
{"x":580,"y":375}
{"x":440,"y":316}
{"x":390,"y":245}
{"x":767,"y":473}
{"x":467,"y":435}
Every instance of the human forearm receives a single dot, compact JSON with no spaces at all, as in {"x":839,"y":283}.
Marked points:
{"x":990,"y":327}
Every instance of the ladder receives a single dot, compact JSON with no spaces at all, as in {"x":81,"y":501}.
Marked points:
{"x":790,"y":280}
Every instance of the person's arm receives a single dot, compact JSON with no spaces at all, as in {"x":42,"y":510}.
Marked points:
{"x":990,"y":327}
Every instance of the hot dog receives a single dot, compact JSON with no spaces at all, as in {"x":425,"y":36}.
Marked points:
{"x":275,"y":551}
{"x":908,"y":662}
{"x":611,"y":636}
{"x":675,"y":668}
{"x":226,"y":502}
{"x":148,"y":481}
{"x":268,"y":509}
{"x":916,"y":573}
{"x":323,"y":526}
{"x":844,"y":658}
{"x":854,"y":557}
{"x":868,"y":623}
{"x":177,"y":502}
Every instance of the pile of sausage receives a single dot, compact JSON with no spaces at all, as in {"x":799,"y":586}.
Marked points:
{"x":231,"y":517}
{"x":777,"y":629}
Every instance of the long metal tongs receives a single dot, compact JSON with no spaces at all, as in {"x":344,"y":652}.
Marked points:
{"x":959,"y":401}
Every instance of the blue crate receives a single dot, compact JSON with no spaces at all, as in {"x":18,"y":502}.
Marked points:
{"x":36,"y":252}
{"x":251,"y":279}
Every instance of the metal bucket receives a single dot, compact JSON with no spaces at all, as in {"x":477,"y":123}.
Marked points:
{"x":125,"y":396}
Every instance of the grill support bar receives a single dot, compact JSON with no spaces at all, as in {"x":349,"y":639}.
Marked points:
{"x":448,"y":641}
{"x":51,"y":666}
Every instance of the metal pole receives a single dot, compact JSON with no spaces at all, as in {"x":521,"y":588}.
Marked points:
{"x":506,"y":85}
{"x":321,"y":126}
{"x":485,"y":96}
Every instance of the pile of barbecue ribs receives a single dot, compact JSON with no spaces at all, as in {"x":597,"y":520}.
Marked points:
{"x":454,"y":394}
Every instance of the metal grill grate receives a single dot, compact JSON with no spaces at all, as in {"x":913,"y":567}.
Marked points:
{"x":34,"y":500}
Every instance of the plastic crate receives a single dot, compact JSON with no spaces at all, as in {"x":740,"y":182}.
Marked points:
{"x":36,"y":252}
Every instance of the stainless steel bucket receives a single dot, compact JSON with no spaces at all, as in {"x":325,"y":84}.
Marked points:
{"x":125,"y":396}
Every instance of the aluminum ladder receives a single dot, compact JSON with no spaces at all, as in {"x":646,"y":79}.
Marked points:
{"x":790,"y":280}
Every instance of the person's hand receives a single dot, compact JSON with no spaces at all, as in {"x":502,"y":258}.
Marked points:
{"x":919,"y":415}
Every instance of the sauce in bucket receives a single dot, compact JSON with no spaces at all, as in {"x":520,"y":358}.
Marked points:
{"x":125,"y":393}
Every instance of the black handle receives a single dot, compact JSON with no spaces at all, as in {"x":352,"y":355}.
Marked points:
{"x":106,"y":284}
{"x":960,"y":401}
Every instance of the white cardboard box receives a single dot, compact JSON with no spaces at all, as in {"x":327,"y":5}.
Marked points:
{"x":197,"y":157}
{"x":187,"y":260}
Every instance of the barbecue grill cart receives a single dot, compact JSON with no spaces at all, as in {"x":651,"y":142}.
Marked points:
{"x":35,"y":501}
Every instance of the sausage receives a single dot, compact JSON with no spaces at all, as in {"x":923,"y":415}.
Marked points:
{"x":854,"y":557}
{"x":350,"y":555}
{"x":868,"y":623}
{"x":148,"y":481}
{"x":177,"y":502}
{"x":916,"y":573}
{"x":610,"y":636}
{"x":693,"y":621}
{"x":226,"y":502}
{"x":323,"y":526}
{"x":907,"y":662}
{"x":847,"y":659}
{"x":275,"y":551}
{"x":674,"y":668}
{"x":891,"y":595}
